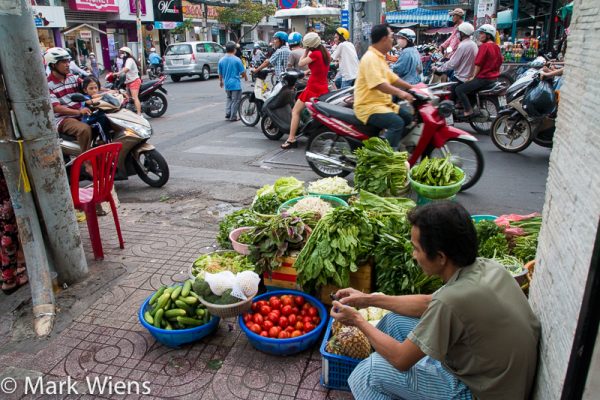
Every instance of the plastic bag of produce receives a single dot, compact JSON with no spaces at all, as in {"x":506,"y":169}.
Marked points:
{"x":220,"y":282}
{"x":245,"y":285}
{"x":540,"y":99}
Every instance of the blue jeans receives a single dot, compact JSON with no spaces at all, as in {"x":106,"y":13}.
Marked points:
{"x":338,"y":82}
{"x":376,"y":379}
{"x":347,"y":83}
{"x":232,"y":104}
{"x":393,"y":123}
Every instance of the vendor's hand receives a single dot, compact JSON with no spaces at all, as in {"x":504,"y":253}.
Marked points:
{"x":345,"y":314}
{"x":85,"y":111}
{"x":352,"y":297}
{"x":221,"y":84}
{"x":406,"y":96}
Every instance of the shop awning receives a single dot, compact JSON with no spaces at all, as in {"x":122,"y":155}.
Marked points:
{"x":308,"y":12}
{"x":443,"y":31}
{"x":433,"y":18}
{"x":81,"y":26}
{"x":505,"y":19}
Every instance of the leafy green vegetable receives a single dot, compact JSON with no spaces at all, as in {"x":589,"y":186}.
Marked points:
{"x":342,"y":239}
{"x":389,"y":205}
{"x":221,"y":261}
{"x":236,"y":219}
{"x":437,"y":172}
{"x":491,"y":241}
{"x":246,"y":237}
{"x":512,"y":264}
{"x":288,"y":188}
{"x":270,"y":197}
{"x":266,"y":204}
{"x":525,"y":247}
{"x":380,"y":169}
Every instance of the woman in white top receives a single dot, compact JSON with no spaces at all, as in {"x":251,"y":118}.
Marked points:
{"x":345,"y":54}
{"x":132,"y":76}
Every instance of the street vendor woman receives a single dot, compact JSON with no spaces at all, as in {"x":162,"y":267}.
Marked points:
{"x":474,"y":338}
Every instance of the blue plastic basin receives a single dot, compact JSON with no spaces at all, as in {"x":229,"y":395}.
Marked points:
{"x":177,"y":337}
{"x":285,"y":347}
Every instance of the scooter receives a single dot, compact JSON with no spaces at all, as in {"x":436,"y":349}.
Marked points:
{"x":154,"y":103}
{"x":514,"y":129}
{"x":252,"y":101}
{"x":155,"y":71}
{"x":137,"y":156}
{"x":330,"y":151}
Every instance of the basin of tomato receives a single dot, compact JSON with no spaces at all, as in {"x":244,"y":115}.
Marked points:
{"x":284,"y":322}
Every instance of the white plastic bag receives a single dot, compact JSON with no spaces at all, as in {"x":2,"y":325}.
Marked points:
{"x":220,"y":281}
{"x":246,"y":285}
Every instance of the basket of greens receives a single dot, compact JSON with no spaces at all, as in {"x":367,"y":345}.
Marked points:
{"x":241,"y":239}
{"x":436,"y":178}
{"x":219,"y":261}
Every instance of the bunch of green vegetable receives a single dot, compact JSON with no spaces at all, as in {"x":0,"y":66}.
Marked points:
{"x":221,"y":261}
{"x":340,"y":241}
{"x":176,"y":307}
{"x":380,"y":169}
{"x":437,"y":172}
{"x":282,"y":234}
{"x":237,"y":219}
{"x":202,"y":288}
{"x":491,"y":241}
{"x":511,"y":263}
{"x":270,"y":197}
{"x":525,"y":247}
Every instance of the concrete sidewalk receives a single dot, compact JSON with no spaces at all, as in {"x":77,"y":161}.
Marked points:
{"x":97,"y":334}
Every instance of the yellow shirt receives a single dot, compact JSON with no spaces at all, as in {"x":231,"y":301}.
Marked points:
{"x":373,"y":70}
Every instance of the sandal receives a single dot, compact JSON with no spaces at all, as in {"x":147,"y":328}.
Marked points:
{"x":289,"y":145}
{"x":10,"y":286}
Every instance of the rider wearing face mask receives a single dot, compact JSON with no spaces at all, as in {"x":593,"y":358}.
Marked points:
{"x":408,"y":67}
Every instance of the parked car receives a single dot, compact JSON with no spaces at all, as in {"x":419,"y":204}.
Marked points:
{"x":192,"y":58}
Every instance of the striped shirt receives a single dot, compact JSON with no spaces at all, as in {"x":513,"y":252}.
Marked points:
{"x":279,"y":60}
{"x":60,"y":95}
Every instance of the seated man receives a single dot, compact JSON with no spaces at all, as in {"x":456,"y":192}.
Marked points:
{"x":376,"y":84}
{"x":62,"y":84}
{"x":476,"y":337}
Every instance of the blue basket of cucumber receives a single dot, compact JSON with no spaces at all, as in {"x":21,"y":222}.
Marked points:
{"x":174,"y":316}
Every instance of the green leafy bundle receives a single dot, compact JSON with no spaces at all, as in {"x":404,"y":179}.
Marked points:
{"x":380,"y":169}
{"x":491,"y":241}
{"x":525,"y":247}
{"x":437,"y":172}
{"x":342,"y":239}
{"x":270,"y":197}
{"x":237,"y":219}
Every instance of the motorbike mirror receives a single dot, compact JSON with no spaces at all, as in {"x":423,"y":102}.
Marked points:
{"x":78,"y":97}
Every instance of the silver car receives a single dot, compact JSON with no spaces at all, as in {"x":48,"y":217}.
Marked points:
{"x":193,"y":58}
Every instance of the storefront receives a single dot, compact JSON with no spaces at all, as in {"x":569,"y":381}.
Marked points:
{"x":194,"y":12}
{"x":122,"y":31}
{"x":167,"y":15}
{"x":48,"y":21}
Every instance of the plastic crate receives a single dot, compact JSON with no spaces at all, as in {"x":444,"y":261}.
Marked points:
{"x":335,"y":369}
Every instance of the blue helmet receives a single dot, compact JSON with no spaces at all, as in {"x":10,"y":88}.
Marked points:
{"x":281,"y":36}
{"x":295,"y":38}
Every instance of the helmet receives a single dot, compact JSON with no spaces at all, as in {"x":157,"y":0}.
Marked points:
{"x":407,"y":34}
{"x":281,"y":36}
{"x":92,"y":54}
{"x":295,"y":38}
{"x":311,"y":40}
{"x":343,"y":32}
{"x":126,"y":50}
{"x":466,"y":28}
{"x":56,"y":54}
{"x":256,"y":46}
{"x":488,"y":29}
{"x":152,"y":49}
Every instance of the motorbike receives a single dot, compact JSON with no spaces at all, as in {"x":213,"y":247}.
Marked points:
{"x":252,"y":101}
{"x":155,"y":71}
{"x":330,"y":150}
{"x":154,"y":103}
{"x":137,"y":156}
{"x":514,"y":129}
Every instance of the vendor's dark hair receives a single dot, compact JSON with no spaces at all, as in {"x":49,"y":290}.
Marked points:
{"x":379,"y":32}
{"x":446,"y":227}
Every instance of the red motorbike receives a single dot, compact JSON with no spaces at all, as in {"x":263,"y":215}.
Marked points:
{"x":330,"y":150}
{"x":154,"y":103}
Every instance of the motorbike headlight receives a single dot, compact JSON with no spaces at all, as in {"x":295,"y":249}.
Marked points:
{"x":143,"y":131}
{"x":446,"y":108}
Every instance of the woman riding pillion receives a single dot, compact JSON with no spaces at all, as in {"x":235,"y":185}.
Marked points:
{"x":132,"y":76}
{"x":408,"y":67}
{"x":317,"y":59}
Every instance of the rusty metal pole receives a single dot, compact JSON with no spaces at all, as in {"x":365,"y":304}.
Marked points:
{"x":30,"y":233}
{"x":27,"y":88}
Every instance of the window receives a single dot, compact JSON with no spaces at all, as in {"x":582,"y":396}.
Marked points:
{"x":200,"y":48}
{"x":217,"y":48}
{"x":178,"y":50}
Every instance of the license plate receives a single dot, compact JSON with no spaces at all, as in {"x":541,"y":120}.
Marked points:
{"x":177,"y":62}
{"x":450,"y":120}
{"x":502,"y":101}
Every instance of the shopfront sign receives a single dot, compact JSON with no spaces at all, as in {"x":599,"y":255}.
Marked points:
{"x":486,"y":13}
{"x":166,"y":24}
{"x":85,"y":34}
{"x":345,"y":19}
{"x":194,"y":11}
{"x":49,"y":17}
{"x":408,"y":4}
{"x":132,"y":7}
{"x":167,"y":10}
{"x":110,"y":6}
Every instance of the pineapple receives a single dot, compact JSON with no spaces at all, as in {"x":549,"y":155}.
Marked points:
{"x":349,"y":341}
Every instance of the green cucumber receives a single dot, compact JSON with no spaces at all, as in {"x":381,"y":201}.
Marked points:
{"x":183,"y":306}
{"x":156,"y":295}
{"x":176,"y":312}
{"x":176,"y":293}
{"x":187,"y":287}
{"x":189,"y":321}
{"x":200,"y":312}
{"x":158,"y":317}
{"x":148,"y":318}
{"x":169,"y":327}
{"x":190,"y":300}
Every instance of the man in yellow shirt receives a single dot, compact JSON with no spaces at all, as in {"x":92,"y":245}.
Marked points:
{"x":376,"y":83}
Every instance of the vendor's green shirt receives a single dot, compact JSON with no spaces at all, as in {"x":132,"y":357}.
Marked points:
{"x":481,"y":327}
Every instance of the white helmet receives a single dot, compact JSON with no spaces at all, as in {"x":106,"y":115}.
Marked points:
{"x":311,"y":40}
{"x":126,"y":50}
{"x":407,"y":34}
{"x":488,"y":29}
{"x":56,"y":54}
{"x":152,"y":49}
{"x":466,"y":28}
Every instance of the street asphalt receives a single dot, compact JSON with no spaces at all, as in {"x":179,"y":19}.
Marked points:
{"x":227,"y":160}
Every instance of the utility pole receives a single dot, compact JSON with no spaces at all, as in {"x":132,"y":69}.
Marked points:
{"x":30,"y":103}
{"x":30,"y":233}
{"x":138,"y":26}
{"x":205,"y":21}
{"x":551,"y":35}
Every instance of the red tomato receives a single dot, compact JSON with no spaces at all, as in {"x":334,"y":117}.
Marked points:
{"x":316,"y":320}
{"x":303,"y":313}
{"x":249,"y":325}
{"x":305,"y":319}
{"x":265,"y":310}
{"x":273,"y":317}
{"x":277,"y":312}
{"x":287,"y":301}
{"x":308,"y":326}
{"x":247,"y":317}
{"x":290,"y":329}
{"x":261,"y":303}
{"x":299,"y":325}
{"x":299,"y":300}
{"x":264,"y":334}
{"x":275,"y":303}
{"x":295,"y":310}
{"x":267,"y":325}
{"x":283,"y":322}
{"x":306,"y":306}
{"x":313,"y":312}
{"x":286,"y":310}
{"x":273,"y":332}
{"x":258,"y":319}
{"x":296,"y":333}
{"x":254,"y":307}
{"x":292,"y":319}
{"x":283,"y":335}
{"x":256,"y":329}
{"x":273,"y":298}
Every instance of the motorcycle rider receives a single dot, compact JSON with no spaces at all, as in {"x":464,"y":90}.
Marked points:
{"x":257,"y":55}
{"x":62,"y":85}
{"x":345,"y":55}
{"x":296,"y":53}
{"x":409,"y":66}
{"x":487,"y":67}
{"x":453,"y":41}
{"x":279,"y":59}
{"x":155,"y":60}
{"x":462,"y":63}
{"x":376,"y":84}
{"x":132,"y":76}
